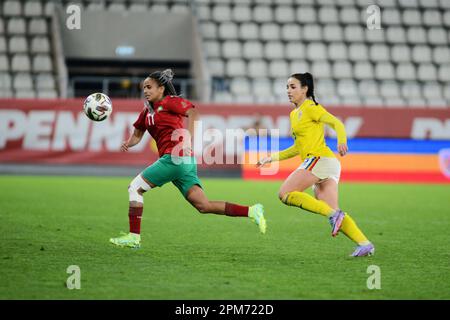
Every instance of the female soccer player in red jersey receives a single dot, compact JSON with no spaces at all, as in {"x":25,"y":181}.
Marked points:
{"x":320,"y":169}
{"x":162,"y":117}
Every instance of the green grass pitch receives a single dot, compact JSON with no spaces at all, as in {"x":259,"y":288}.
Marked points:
{"x":49,"y":223}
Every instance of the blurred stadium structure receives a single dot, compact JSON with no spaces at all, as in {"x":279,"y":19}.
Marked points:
{"x":232,"y":57}
{"x":230,"y":50}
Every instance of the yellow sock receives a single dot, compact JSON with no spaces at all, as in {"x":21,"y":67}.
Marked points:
{"x":307,"y":202}
{"x":352,"y":231}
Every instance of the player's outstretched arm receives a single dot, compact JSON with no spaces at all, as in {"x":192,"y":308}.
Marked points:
{"x":279,"y":156}
{"x":135,"y":138}
{"x":339,"y":127}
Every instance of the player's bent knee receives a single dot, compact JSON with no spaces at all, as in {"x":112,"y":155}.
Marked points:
{"x":283,"y":196}
{"x":136,"y":188}
{"x":134,"y":195}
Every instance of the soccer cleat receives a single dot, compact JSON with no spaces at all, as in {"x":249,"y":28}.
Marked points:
{"x":336,"y":222}
{"x":364,"y":250}
{"x":256,"y":213}
{"x":129,"y":240}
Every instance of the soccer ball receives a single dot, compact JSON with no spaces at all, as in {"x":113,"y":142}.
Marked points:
{"x":97,"y":106}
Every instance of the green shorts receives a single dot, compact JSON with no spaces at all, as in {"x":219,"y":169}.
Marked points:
{"x":181,"y":171}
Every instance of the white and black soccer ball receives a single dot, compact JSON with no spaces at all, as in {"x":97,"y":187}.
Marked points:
{"x":97,"y":106}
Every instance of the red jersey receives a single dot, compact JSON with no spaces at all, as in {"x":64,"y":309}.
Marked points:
{"x":162,"y":120}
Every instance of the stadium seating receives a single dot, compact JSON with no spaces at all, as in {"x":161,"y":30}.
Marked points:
{"x":251,"y":46}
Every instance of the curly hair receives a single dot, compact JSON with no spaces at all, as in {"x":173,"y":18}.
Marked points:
{"x":164,"y":78}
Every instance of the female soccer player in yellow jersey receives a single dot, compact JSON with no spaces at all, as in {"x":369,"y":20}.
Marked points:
{"x":320,"y":168}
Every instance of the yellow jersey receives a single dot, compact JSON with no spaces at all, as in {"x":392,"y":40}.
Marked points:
{"x":307,"y":128}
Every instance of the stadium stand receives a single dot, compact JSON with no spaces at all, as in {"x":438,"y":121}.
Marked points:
{"x":27,"y":69}
{"x":251,"y":46}
{"x":267,"y":40}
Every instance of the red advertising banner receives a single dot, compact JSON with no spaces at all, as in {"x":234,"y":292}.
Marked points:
{"x":58,"y":132}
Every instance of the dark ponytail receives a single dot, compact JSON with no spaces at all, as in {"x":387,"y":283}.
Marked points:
{"x":164,"y":78}
{"x":306,"y":79}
